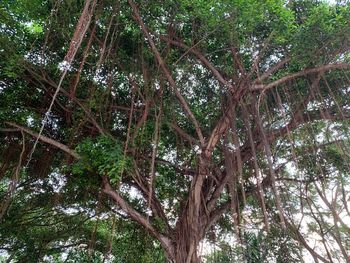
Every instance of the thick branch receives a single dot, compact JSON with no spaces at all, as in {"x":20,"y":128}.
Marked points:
{"x":220,"y":128}
{"x":305,"y":72}
{"x":45,"y":139}
{"x":136,"y":216}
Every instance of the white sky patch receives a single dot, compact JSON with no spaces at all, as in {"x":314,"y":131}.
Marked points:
{"x":197,"y":149}
{"x":57,"y":181}
{"x":64,"y":65}
{"x":37,"y":58}
{"x":231,"y":147}
{"x":30,"y":121}
{"x":156,"y":86}
{"x":170,"y":156}
{"x":118,"y":122}
{"x":100,"y":77}
{"x":2,"y":86}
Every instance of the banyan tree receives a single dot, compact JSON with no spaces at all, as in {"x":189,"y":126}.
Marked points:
{"x":174,"y":131}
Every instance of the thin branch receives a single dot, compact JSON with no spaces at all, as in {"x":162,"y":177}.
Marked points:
{"x":273,"y":69}
{"x":13,"y":184}
{"x":201,"y":57}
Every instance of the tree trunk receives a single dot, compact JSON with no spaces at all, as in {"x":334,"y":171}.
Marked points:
{"x":183,"y":245}
{"x":190,"y":227}
{"x":186,"y":242}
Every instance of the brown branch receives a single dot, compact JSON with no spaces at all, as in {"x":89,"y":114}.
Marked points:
{"x":155,"y":143}
{"x":201,"y":57}
{"x":134,"y":215}
{"x":81,"y":27}
{"x":238,"y":60}
{"x":166,"y":71}
{"x":178,"y":168}
{"x":216,"y":214}
{"x":299,"y":237}
{"x":156,"y":207}
{"x":183,"y":134}
{"x":49,"y":81}
{"x":220,"y":128}
{"x":320,"y":69}
{"x":45,"y":139}
{"x":82,"y":63}
{"x":14,"y":181}
{"x":268,"y":153}
{"x":273,"y":69}
{"x":217,"y":193}
{"x":8,"y":130}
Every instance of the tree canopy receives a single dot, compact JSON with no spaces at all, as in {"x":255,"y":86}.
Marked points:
{"x":174,"y":131}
